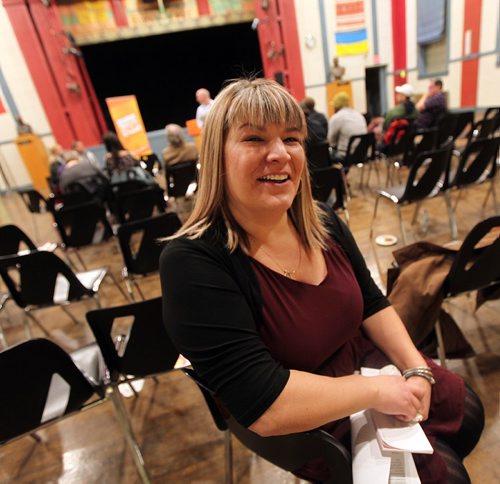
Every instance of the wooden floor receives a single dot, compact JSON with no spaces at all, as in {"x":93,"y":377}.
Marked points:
{"x":177,"y":437}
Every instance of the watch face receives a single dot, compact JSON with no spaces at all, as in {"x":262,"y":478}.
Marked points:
{"x":386,"y":240}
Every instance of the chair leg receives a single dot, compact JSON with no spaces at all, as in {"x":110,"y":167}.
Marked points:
{"x":38,"y":323}
{"x":121,"y":415}
{"x":372,"y":241}
{"x":228,"y":456}
{"x":347,"y":217}
{"x":80,"y":260}
{"x":3,"y":339}
{"x":139,"y":289}
{"x":120,"y":288}
{"x":440,"y":348}
{"x":451,"y":216}
{"x":401,"y":225}
{"x":494,"y":196}
{"x":130,"y":290}
{"x":27,"y":327}
{"x":459,"y":196}
{"x":66,"y":310}
{"x":415,"y":213}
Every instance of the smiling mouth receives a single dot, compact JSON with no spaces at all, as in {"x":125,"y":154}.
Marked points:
{"x":274,"y":178}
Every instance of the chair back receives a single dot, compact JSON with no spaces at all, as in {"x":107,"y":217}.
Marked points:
{"x":324,"y":180}
{"x":179,"y":177}
{"x":289,"y":452}
{"x":151,"y":163}
{"x":427,"y":171}
{"x":318,"y":155}
{"x":360,"y":149}
{"x":399,"y":141}
{"x":33,"y":200}
{"x":40,"y":383}
{"x":139,"y":204}
{"x":474,"y":269}
{"x":447,"y":128}
{"x":81,"y":225}
{"x":147,"y":348}
{"x":465,"y":121}
{"x":484,"y":128}
{"x":39,"y":279}
{"x":493,"y":112}
{"x":11,"y":240}
{"x":477,"y":162}
{"x":419,"y":141}
{"x":142,"y":256}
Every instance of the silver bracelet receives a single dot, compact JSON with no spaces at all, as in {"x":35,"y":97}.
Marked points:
{"x":422,"y":371}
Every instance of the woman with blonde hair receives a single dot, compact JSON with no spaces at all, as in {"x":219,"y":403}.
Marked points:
{"x":270,"y":299}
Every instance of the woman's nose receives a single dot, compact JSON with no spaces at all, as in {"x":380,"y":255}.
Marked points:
{"x":277,"y":151}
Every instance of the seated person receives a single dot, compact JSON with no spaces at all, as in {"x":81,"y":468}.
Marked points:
{"x":83,"y":153}
{"x":404,"y":108}
{"x":431,"y":105}
{"x":92,"y":179}
{"x":56,"y":167}
{"x":317,"y":124}
{"x":177,"y":150}
{"x":268,"y":296}
{"x":346,"y":122}
{"x":117,"y":159}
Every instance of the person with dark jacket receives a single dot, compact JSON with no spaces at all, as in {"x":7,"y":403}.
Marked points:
{"x":268,"y":296}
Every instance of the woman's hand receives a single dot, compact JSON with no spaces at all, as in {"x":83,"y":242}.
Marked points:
{"x":397,"y":396}
{"x":421,"y":386}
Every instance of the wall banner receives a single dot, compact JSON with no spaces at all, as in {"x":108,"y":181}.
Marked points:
{"x":350,"y":27}
{"x":128,"y":123}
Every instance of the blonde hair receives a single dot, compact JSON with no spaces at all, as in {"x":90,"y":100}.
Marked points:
{"x":258,"y":102}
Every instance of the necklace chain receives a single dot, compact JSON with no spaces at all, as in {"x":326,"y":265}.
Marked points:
{"x":289,"y":273}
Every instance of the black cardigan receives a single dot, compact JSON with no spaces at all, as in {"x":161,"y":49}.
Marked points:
{"x":212,"y":308}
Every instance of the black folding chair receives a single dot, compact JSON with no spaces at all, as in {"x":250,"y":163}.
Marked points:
{"x":477,"y":164}
{"x":82,"y":225}
{"x":42,"y":384}
{"x":361,"y":151}
{"x":142,"y":349}
{"x":151,"y":164}
{"x":139,"y":204}
{"x":447,"y":129}
{"x":329,"y":186}
{"x":40,"y":280}
{"x":180,"y":177}
{"x":35,"y":203}
{"x":289,"y":452}
{"x":472,"y":270}
{"x":318,"y":155}
{"x":425,"y":180}
{"x":141,"y":247}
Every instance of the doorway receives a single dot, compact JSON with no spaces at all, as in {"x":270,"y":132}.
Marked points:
{"x":376,"y":95}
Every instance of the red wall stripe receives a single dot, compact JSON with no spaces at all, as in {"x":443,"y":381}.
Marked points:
{"x":399,"y":39}
{"x":470,"y":67}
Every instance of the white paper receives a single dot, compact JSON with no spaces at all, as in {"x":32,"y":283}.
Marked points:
{"x":394,"y":435}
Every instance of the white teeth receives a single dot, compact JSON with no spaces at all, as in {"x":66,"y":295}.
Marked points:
{"x":279,"y":178}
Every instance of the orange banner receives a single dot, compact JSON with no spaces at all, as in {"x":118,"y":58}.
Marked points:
{"x":128,"y":123}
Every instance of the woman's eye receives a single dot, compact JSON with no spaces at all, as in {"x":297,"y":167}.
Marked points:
{"x":253,"y":138}
{"x":292,"y":139}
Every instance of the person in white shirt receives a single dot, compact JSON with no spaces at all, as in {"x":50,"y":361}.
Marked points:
{"x":205,"y":102}
{"x":345,"y":123}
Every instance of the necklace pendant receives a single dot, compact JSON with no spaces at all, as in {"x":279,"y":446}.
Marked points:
{"x":289,"y":274}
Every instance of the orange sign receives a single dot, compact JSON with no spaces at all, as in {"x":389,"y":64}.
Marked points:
{"x":128,"y":123}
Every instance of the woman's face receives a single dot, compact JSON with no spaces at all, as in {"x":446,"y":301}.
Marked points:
{"x":263,"y":167}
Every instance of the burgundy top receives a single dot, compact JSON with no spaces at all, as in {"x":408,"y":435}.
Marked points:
{"x":318,"y":329}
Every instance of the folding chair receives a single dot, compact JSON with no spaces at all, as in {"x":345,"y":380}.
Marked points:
{"x":36,"y":204}
{"x":139,"y":204}
{"x":318,"y":155}
{"x":180,"y":177}
{"x":141,"y":247}
{"x":329,"y":186}
{"x":471,"y":271}
{"x":39,"y":280}
{"x":288,"y":452}
{"x":42,"y":384}
{"x":361,"y":151}
{"x":80,"y":226}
